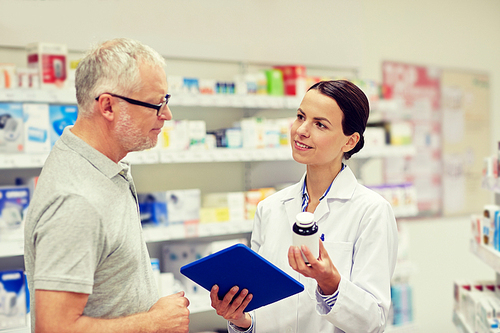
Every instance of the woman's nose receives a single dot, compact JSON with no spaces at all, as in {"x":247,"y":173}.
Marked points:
{"x":303,"y":129}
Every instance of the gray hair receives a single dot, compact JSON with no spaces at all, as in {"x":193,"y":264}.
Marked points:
{"x":112,"y":66}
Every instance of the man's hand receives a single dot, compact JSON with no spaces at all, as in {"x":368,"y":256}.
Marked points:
{"x":170,"y":314}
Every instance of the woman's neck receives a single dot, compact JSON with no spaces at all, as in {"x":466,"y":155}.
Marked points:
{"x":319,"y":179}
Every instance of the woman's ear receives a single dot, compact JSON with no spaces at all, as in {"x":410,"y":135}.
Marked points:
{"x":352,"y":141}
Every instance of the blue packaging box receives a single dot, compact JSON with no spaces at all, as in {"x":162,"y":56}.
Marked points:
{"x":13,"y":299}
{"x":60,"y":116}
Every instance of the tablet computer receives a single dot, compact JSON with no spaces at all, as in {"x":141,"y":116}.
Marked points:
{"x":238,"y":265}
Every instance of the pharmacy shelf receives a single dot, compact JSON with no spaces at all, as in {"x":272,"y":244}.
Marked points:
{"x":490,"y":256}
{"x":16,"y":330}
{"x":405,"y":328}
{"x":386,"y":151}
{"x":460,"y":323}
{"x":194,"y":230}
{"x":10,"y":248}
{"x":68,"y":96}
{"x":403,"y":271}
{"x":210,"y":155}
{"x":24,"y":160}
{"x":491,"y":183}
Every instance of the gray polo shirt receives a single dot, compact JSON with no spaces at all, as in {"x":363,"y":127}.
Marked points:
{"x":83,"y":233}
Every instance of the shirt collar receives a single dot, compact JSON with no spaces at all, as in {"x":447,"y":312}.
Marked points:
{"x":305,"y":195}
{"x":96,"y":158}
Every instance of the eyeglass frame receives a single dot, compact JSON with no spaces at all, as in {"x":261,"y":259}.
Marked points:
{"x":157,"y":107}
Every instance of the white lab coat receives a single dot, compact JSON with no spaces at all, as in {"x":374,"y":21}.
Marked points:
{"x":361,"y":239}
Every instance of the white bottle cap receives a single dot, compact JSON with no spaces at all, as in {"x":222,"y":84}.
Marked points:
{"x":305,"y":219}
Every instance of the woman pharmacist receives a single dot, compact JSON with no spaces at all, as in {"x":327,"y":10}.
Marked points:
{"x":347,"y":289}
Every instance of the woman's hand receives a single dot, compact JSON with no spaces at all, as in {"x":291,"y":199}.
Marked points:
{"x":232,"y":309}
{"x":322,"y":269}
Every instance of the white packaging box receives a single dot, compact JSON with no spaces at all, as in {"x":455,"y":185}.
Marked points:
{"x":183,"y":205}
{"x":11,"y":128}
{"x":401,"y":133}
{"x":174,"y":135}
{"x":272,"y":133}
{"x":197,"y":132}
{"x":374,"y":137}
{"x":253,"y":132}
{"x":174,"y":256}
{"x":234,"y":201}
{"x":51,"y":62}
{"x":13,"y":307}
{"x":36,"y":128}
{"x":14,"y":201}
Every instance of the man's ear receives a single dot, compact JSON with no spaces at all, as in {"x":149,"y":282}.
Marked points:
{"x":105,"y":105}
{"x":352,"y":141}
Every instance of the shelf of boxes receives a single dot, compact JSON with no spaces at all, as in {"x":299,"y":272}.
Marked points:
{"x":12,"y":248}
{"x":487,"y":254}
{"x":491,"y":183}
{"x":16,"y":330}
{"x":20,"y":160}
{"x":178,"y":99}
{"x":461,"y":323}
{"x":195,"y":230}
{"x":406,"y":328}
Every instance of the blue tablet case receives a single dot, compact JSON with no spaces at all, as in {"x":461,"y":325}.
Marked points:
{"x":238,"y":265}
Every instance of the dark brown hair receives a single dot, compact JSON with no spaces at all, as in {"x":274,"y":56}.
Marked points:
{"x":354,"y":105}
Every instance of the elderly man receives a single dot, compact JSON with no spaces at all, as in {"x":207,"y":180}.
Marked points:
{"x":87,"y":264}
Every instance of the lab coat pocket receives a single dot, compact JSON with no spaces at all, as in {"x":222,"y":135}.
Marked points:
{"x":341,"y":255}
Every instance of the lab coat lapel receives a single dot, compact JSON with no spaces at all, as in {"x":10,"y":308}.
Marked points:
{"x":292,"y":201}
{"x":342,"y":189}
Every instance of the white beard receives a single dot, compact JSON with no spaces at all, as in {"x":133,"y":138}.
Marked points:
{"x":129,"y":136}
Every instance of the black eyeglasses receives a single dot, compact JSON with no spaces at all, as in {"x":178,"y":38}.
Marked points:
{"x":157,"y":107}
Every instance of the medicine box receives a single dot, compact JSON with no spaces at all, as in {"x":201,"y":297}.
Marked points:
{"x":174,"y":256}
{"x":14,"y":201}
{"x":222,"y":207}
{"x":13,"y":303}
{"x":183,"y":205}
{"x":174,"y":135}
{"x":153,"y":208}
{"x":8,"y":76}
{"x":170,"y":207}
{"x":36,"y":128}
{"x":294,"y":79}
{"x":51,"y":62}
{"x":60,"y":116}
{"x":11,"y":128}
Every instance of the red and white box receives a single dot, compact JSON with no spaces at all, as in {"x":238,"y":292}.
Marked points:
{"x":51,"y":60}
{"x":294,"y":79}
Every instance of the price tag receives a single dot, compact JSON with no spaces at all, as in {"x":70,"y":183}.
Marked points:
{"x":224,"y":155}
{"x":30,"y":95}
{"x":276,"y":102}
{"x":166,"y":156}
{"x":191,"y":229}
{"x":239,"y":154}
{"x":10,"y":95}
{"x":221,"y":100}
{"x":250,"y":101}
{"x":150,"y":157}
{"x":237,"y":101}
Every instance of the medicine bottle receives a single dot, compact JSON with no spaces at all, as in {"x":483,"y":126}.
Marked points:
{"x":305,"y":232}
